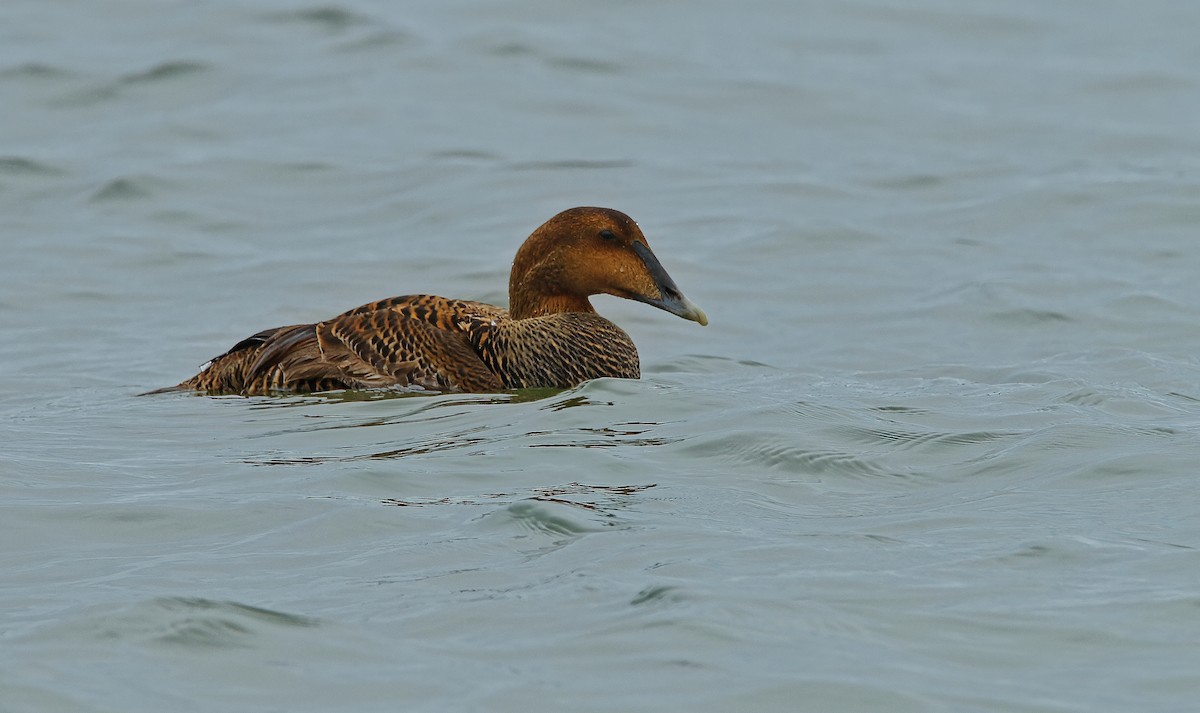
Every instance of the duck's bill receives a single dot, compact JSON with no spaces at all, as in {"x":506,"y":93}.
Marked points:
{"x":670,"y":298}
{"x":684,"y":308}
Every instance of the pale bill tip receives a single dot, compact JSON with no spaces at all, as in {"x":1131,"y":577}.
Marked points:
{"x":693,"y":312}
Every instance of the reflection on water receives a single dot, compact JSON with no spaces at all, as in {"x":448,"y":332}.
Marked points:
{"x":602,"y":499}
{"x":599,"y":437}
{"x":437,"y":424}
{"x":604,"y":437}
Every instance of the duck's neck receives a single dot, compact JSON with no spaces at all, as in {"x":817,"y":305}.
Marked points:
{"x":522,"y":305}
{"x":538,"y":285}
{"x":537,"y":290}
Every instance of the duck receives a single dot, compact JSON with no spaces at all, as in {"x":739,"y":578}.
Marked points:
{"x":550,"y":336}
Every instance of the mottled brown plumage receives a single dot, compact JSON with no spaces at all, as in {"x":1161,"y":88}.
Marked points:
{"x":550,"y":336}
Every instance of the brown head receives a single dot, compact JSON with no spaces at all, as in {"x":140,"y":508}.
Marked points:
{"x":590,"y":251}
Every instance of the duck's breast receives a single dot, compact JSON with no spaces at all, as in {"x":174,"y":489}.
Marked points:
{"x":559,"y":350}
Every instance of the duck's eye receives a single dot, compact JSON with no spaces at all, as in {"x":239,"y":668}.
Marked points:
{"x":608,"y":235}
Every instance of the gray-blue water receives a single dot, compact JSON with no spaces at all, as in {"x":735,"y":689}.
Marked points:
{"x":937,"y":451}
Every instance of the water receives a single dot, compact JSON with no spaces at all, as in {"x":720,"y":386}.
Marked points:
{"x":937,"y":450}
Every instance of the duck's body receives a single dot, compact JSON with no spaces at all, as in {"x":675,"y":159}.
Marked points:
{"x":550,"y":336}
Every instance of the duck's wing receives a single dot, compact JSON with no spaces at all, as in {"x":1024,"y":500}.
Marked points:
{"x":226,"y":373}
{"x":415,"y":340}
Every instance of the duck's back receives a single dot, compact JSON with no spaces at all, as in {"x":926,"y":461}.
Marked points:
{"x":427,"y":342}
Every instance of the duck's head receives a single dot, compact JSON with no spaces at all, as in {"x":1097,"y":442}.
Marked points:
{"x":590,"y":251}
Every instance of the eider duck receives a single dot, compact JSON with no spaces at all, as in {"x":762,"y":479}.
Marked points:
{"x":550,"y":336}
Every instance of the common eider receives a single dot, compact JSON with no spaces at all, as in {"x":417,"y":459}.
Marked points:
{"x":550,"y":336}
